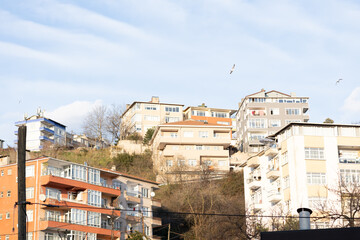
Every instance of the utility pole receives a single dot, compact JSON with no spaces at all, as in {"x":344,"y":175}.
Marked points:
{"x":169,"y":232}
{"x":21,"y":183}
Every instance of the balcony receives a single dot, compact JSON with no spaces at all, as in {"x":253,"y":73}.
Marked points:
{"x":253,"y":162}
{"x":46,"y":130}
{"x":133,"y":197}
{"x":133,"y":217}
{"x":45,"y":138}
{"x":274,"y":196}
{"x":70,"y":184}
{"x":271,"y":152}
{"x":155,"y":203}
{"x":58,"y":223}
{"x":306,"y":118}
{"x":156,"y":221}
{"x":273,"y":174}
{"x":257,"y":206}
{"x":254,"y":184}
{"x":163,"y":141}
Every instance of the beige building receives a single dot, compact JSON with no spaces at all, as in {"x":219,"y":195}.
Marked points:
{"x":184,"y":150}
{"x":263,"y":113}
{"x":304,"y":169}
{"x":140,"y":116}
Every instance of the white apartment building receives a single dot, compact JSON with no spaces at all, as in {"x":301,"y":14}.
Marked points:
{"x":302,"y":169}
{"x":140,"y":116}
{"x":42,"y":132}
{"x":263,"y":113}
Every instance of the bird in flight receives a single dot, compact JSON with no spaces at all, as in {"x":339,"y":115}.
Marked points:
{"x":232,"y":69}
{"x":338,"y":81}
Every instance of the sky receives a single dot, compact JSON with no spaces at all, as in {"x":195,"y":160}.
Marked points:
{"x":69,"y":56}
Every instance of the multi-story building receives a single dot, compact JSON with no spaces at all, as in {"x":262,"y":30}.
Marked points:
{"x":75,"y":201}
{"x":42,"y":133}
{"x":184,"y":150}
{"x":140,"y":116}
{"x":305,"y":167}
{"x":263,"y":113}
{"x":210,"y":115}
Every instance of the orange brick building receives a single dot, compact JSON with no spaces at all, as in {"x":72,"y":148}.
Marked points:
{"x":76,"y":201}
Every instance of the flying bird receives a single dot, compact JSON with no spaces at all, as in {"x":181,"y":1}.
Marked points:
{"x":232,"y":69}
{"x":338,"y":81}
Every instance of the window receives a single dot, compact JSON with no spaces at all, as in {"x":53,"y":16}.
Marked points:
{"x":257,"y":123}
{"x":284,"y":158}
{"x":169,"y":163}
{"x":1,"y":216}
{"x":151,"y":107}
{"x":208,"y":163}
{"x":199,"y":147}
{"x":274,"y":111}
{"x":200,"y":113}
{"x":29,"y":192}
{"x":94,"y":176}
{"x":146,"y":211}
{"x":349,"y":176}
{"x":188,"y":134}
{"x":7,"y":215}
{"x":287,"y":121}
{"x":314,"y":153}
{"x":53,"y":193}
{"x":94,"y":198}
{"x":1,"y":194}
{"x":219,"y":114}
{"x":173,"y":135}
{"x":78,"y":216}
{"x":2,"y":172}
{"x":203,"y":134}
{"x":8,"y":193}
{"x":117,"y":225}
{"x":287,"y":182}
{"x":52,"y":215}
{"x":147,"y":230}
{"x":145,"y":192}
{"x":94,"y":219}
{"x":222,"y":163}
{"x":9,"y":172}
{"x":30,"y":171}
{"x":7,"y":237}
{"x":151,"y":118}
{"x":78,"y":172}
{"x":292,"y":111}
{"x":274,"y":123}
{"x":171,"y":109}
{"x":187,"y":147}
{"x":223,"y":123}
{"x":181,"y":162}
{"x":316,"y":178}
{"x":29,"y":215}
{"x":29,"y":236}
{"x":171,"y":119}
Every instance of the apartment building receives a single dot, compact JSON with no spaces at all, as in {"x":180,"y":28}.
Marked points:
{"x":140,"y":116}
{"x":75,"y":201}
{"x":263,"y":113}
{"x":42,"y":132}
{"x":304,"y":167}
{"x":184,"y":150}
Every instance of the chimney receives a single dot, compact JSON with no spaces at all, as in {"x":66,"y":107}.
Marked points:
{"x":292,"y":94}
{"x":155,"y":99}
{"x":113,"y":168}
{"x":262,"y":90}
{"x":304,"y":218}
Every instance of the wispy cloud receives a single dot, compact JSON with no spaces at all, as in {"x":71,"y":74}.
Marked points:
{"x":351,"y":106}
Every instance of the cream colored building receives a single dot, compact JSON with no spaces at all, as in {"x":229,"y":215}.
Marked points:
{"x":140,"y":116}
{"x":187,"y":149}
{"x":263,"y":113}
{"x":303,"y":169}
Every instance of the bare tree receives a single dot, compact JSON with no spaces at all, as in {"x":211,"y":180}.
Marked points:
{"x":113,"y":122}
{"x":94,"y":124}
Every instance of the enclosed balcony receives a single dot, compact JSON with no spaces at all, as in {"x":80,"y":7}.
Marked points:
{"x":273,"y":174}
{"x":254,"y":184}
{"x":274,"y":196}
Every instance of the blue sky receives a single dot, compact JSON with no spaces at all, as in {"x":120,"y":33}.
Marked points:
{"x":67,"y":56}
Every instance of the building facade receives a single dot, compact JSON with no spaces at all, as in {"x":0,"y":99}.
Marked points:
{"x":42,"y":133}
{"x":210,"y":115}
{"x":140,"y":116}
{"x":304,"y":167}
{"x":184,"y":150}
{"x":263,"y":113}
{"x":75,"y":201}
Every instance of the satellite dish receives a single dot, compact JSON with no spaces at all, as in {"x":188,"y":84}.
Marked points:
{"x":152,"y":194}
{"x":42,"y":197}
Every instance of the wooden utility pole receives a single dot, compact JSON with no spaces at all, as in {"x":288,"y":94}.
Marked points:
{"x":21,"y":183}
{"x":169,"y":232}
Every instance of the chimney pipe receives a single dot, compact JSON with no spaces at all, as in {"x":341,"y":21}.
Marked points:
{"x":304,"y":218}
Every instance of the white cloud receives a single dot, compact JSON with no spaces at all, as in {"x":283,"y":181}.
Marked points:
{"x":351,"y":107}
{"x":73,"y":114}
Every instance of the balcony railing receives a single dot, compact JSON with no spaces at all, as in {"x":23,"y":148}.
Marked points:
{"x":349,"y":160}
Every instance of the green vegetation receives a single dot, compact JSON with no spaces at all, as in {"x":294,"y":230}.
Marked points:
{"x":135,"y":137}
{"x":148,"y":135}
